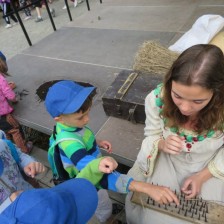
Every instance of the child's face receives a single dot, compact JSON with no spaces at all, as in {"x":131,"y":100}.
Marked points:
{"x":77,"y":120}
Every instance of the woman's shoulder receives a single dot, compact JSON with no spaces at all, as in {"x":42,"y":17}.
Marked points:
{"x":154,"y":97}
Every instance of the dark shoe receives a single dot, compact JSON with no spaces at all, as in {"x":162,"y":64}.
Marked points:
{"x":29,"y":146}
{"x":32,"y":181}
{"x":52,"y":12}
{"x":117,"y":208}
{"x":118,"y":222}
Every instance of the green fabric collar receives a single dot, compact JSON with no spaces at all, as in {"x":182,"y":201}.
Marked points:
{"x":65,"y":127}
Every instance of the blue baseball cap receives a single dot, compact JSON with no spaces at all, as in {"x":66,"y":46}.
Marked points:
{"x":66,"y":97}
{"x":72,"y":202}
{"x":2,"y":56}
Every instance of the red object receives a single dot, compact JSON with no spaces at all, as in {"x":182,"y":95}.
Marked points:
{"x":188,"y":145}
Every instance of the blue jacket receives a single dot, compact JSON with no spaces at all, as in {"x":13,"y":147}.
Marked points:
{"x":11,"y":178}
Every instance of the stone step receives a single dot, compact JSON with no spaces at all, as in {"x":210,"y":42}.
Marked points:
{"x":45,"y":179}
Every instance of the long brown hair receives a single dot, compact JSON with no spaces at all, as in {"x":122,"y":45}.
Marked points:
{"x":201,"y":65}
{"x":3,"y":67}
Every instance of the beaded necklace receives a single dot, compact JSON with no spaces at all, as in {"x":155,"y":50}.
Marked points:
{"x":189,"y":139}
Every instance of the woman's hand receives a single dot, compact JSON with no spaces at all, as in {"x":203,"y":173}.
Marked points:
{"x":162,"y":195}
{"x":192,"y":185}
{"x":105,"y":145}
{"x":172,"y":144}
{"x":107,"y":165}
{"x":34,"y":168}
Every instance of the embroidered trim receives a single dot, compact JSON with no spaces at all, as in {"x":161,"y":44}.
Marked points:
{"x":214,"y":171}
{"x":151,"y":159}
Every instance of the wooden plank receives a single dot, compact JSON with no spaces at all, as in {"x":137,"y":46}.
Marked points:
{"x":194,"y":210}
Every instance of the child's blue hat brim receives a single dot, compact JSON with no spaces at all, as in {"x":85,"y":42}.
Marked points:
{"x":2,"y":56}
{"x":66,"y":97}
{"x":73,"y":201}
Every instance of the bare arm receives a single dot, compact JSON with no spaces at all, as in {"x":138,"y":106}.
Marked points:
{"x":162,"y":195}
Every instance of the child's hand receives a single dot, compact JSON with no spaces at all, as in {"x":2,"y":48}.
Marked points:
{"x":15,"y":100}
{"x":12,"y":85}
{"x":14,"y":195}
{"x":34,"y":168}
{"x":105,"y":145}
{"x":107,"y":165}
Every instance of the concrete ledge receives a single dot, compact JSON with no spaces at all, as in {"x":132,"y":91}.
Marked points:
{"x":125,"y":137}
{"x":45,"y":179}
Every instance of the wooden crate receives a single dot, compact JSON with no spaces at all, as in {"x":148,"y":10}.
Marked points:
{"x":125,"y":97}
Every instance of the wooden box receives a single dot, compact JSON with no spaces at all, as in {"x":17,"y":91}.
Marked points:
{"x":125,"y":97}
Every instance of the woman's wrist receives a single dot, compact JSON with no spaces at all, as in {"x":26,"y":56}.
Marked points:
{"x":137,"y":186}
{"x":161,"y":144}
{"x":204,"y":174}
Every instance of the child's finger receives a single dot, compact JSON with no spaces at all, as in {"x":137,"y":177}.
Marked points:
{"x":31,"y":172}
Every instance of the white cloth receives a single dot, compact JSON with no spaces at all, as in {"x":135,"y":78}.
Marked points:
{"x":202,"y":31}
{"x":104,"y":208}
{"x":172,"y":170}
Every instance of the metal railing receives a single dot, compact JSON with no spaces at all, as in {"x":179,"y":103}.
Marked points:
{"x":15,"y":10}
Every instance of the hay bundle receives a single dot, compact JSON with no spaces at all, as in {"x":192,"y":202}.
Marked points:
{"x":154,"y":58}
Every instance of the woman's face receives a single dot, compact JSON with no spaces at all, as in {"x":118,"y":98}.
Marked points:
{"x":190,"y":99}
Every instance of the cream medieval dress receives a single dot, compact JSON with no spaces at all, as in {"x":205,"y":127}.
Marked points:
{"x":164,"y":169}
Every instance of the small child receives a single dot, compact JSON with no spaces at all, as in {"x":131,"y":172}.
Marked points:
{"x":12,"y":165}
{"x":26,"y":10}
{"x":73,"y":147}
{"x":7,"y":122}
{"x":57,"y":205}
{"x":75,"y":2}
{"x":38,"y":6}
{"x":6,"y":8}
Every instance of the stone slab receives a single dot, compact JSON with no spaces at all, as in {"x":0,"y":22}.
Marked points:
{"x":91,"y":55}
{"x":45,"y":179}
{"x":35,"y":71}
{"x":126,"y":139}
{"x":161,"y":2}
{"x":163,"y":18}
{"x":102,"y":47}
{"x":201,"y":10}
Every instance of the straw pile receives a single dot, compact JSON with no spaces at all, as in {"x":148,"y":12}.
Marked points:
{"x":154,"y":58}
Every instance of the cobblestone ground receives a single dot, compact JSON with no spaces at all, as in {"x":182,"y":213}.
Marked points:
{"x":13,"y":41}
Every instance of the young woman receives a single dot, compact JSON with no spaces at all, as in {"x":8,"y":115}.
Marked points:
{"x":183,"y":148}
